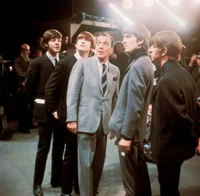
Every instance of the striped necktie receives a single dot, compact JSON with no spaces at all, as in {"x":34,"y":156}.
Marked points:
{"x":104,"y":78}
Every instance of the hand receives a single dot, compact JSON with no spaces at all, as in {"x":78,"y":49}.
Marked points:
{"x":193,"y":59}
{"x":124,"y":145}
{"x":113,"y":56}
{"x":111,"y":136}
{"x":72,"y":126}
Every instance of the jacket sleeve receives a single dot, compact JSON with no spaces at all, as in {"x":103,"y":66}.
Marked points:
{"x":74,"y":90}
{"x":136,"y":89}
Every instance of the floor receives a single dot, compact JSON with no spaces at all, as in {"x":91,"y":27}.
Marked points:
{"x":17,"y":157}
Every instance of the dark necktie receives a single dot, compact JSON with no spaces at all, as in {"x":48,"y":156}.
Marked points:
{"x":56,"y":61}
{"x":104,"y":78}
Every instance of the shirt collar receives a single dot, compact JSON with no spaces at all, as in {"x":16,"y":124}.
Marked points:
{"x":166,"y":66}
{"x":24,"y":57}
{"x":52,"y":59}
{"x":100,"y":63}
{"x":78,"y":56}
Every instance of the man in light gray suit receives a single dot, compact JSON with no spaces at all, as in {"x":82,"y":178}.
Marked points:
{"x":92,"y":93}
{"x":129,"y":119}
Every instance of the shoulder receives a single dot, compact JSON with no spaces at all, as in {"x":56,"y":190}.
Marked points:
{"x":142,"y":63}
{"x":18,"y":59}
{"x":114,"y":67}
{"x":39,"y":60}
{"x":86,"y":61}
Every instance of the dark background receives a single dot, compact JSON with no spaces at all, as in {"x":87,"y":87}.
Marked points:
{"x":23,"y":21}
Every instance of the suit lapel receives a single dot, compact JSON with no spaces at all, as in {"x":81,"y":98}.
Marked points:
{"x":109,"y":80}
{"x":48,"y":63}
{"x":95,"y":70}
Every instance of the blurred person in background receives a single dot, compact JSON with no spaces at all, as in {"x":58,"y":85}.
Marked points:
{"x":24,"y":105}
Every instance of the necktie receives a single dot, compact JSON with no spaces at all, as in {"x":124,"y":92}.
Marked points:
{"x":104,"y":78}
{"x":56,"y":61}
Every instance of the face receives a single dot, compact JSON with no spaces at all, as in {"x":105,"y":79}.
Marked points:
{"x":39,"y":53}
{"x":83,"y":44}
{"x":54,"y":45}
{"x":103,"y":48}
{"x":65,"y":40}
{"x":40,"y":41}
{"x":155,"y":55}
{"x":130,"y":43}
{"x":25,"y":50}
{"x":119,"y":49}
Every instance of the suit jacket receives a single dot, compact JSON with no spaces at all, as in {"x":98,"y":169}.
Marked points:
{"x":38,"y":74}
{"x":86,"y":102}
{"x":56,"y":88}
{"x":21,"y":67}
{"x":173,"y":134}
{"x":130,"y":115}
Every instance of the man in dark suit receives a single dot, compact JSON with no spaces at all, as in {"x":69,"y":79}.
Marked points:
{"x":55,"y":96}
{"x":173,"y":135}
{"x":91,"y":96}
{"x":37,"y":76}
{"x":24,"y":114}
{"x":129,"y":119}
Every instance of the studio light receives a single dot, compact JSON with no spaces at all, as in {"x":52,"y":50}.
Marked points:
{"x":174,"y":16}
{"x":114,"y":8}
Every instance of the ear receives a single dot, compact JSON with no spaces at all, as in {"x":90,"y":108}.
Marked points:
{"x":112,"y":50}
{"x":45,"y":45}
{"x":164,"y":51}
{"x":140,"y":42}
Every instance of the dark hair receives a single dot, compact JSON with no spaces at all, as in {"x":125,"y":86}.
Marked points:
{"x":140,"y":32}
{"x":171,"y":41}
{"x":88,"y":36}
{"x":119,"y":43}
{"x":49,"y":34}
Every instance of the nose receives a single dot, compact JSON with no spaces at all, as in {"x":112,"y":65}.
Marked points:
{"x":124,"y":40}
